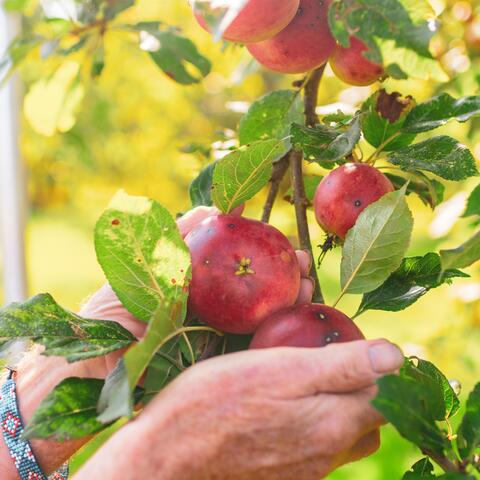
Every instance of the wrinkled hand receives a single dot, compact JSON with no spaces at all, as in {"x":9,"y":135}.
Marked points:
{"x":270,"y":414}
{"x":104,"y":304}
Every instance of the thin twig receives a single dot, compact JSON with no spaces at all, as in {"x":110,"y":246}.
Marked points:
{"x":311,"y":96}
{"x":301,"y":203}
{"x":444,"y":462}
{"x":279,"y":170}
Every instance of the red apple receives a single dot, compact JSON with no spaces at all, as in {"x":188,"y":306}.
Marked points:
{"x":309,"y":326}
{"x":258,"y":20}
{"x":306,"y":43}
{"x":242,"y":272}
{"x":345,"y":192}
{"x":351,"y":66}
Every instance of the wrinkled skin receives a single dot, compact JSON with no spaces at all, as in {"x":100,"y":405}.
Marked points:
{"x":352,"y":67}
{"x":306,"y":43}
{"x":258,"y":21}
{"x":270,"y":414}
{"x":345,"y":192}
{"x":242,"y":272}
{"x":308,"y":326}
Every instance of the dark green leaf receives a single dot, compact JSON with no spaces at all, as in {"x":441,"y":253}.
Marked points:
{"x":404,"y":403}
{"x":413,"y":279}
{"x":473,"y":204}
{"x":63,"y":333}
{"x":98,"y":61}
{"x":143,"y":255}
{"x":68,"y":412}
{"x":381,"y":25}
{"x":423,"y":469}
{"x":443,"y":401}
{"x":384,"y":116}
{"x":430,"y":191}
{"x":326,"y":144}
{"x":243,"y":173}
{"x":200,"y":189}
{"x":439,"y":110}
{"x":375,"y":246}
{"x":462,"y":256}
{"x":444,"y":156}
{"x":271,"y":117}
{"x":469,"y":430}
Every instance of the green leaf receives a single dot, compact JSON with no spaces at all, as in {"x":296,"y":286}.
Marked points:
{"x":117,"y":398}
{"x":326,"y":144}
{"x":439,"y":110}
{"x":413,"y":279}
{"x":200,"y":189}
{"x":443,"y":401}
{"x":423,"y":469}
{"x":98,"y":61}
{"x":404,"y":403}
{"x":462,"y":256}
{"x":444,"y":156}
{"x":68,"y":412}
{"x":271,"y":117}
{"x":469,"y":430}
{"x":430,"y":191}
{"x":243,"y":173}
{"x":375,"y":246}
{"x":384,"y":116}
{"x":63,"y":333}
{"x":473,"y":204}
{"x":175,"y":54}
{"x":378,"y":22}
{"x":142,"y":254}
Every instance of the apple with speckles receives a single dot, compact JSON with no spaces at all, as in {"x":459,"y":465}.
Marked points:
{"x":243,"y":271}
{"x":308,"y":326}
{"x":344,"y":193}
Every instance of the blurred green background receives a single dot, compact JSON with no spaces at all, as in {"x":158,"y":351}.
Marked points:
{"x":127,"y":128}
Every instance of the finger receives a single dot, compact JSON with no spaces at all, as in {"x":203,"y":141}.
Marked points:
{"x":340,"y":367}
{"x":192,"y":218}
{"x":306,"y":291}
{"x":304,"y":261}
{"x":365,"y":447}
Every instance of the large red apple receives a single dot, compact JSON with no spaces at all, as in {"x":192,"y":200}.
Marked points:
{"x":308,"y":325}
{"x":345,"y":192}
{"x":306,"y":42}
{"x":258,"y":20}
{"x":351,"y":66}
{"x":242,"y":272}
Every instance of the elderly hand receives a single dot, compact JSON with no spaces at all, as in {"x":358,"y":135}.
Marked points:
{"x":104,"y":304}
{"x":279,"y":413}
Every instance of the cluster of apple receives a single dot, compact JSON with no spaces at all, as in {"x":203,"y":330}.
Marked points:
{"x":246,"y":276}
{"x":293,"y":36}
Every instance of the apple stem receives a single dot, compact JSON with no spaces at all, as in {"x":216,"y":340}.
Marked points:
{"x":311,"y":96}
{"x":279,"y":170}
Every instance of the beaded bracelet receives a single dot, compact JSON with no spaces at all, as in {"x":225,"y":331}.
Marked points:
{"x":20,"y":449}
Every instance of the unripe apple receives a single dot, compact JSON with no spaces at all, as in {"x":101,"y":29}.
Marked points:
{"x":351,"y":66}
{"x":258,"y":20}
{"x":345,"y":192}
{"x":306,"y":43}
{"x":308,"y":326}
{"x":243,"y":270}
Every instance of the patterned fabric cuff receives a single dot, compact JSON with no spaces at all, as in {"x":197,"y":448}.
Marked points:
{"x":12,"y":428}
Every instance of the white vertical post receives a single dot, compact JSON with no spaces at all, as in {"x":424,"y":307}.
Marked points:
{"x":12,"y":188}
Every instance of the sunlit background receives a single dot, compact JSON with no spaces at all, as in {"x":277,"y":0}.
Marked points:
{"x":131,"y":129}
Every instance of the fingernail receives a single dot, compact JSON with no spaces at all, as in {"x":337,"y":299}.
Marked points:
{"x":310,"y":259}
{"x":385,"y":357}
